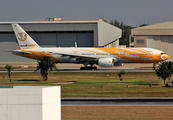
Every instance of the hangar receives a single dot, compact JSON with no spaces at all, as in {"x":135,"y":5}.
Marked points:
{"x":158,"y":36}
{"x":54,"y":32}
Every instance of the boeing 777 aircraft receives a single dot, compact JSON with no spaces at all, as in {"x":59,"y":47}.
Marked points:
{"x":104,"y":57}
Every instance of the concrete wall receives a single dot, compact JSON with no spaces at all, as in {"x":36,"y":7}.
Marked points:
{"x":113,"y":44}
{"x":170,"y":45}
{"x":137,"y":38}
{"x":30,"y":103}
{"x":108,"y":33}
{"x":150,"y":41}
{"x":156,"y":42}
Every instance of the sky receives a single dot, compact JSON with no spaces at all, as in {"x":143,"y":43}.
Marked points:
{"x":131,"y":12}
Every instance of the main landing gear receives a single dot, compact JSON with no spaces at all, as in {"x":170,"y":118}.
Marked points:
{"x":88,"y":68}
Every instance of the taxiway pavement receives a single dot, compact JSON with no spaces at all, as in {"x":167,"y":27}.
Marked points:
{"x":117,"y":101}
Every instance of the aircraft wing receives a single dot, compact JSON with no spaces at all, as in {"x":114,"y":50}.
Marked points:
{"x":79,"y":57}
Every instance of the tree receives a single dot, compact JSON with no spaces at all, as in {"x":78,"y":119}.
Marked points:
{"x":122,"y":72}
{"x":165,"y":70}
{"x":143,"y":25}
{"x":45,"y":65}
{"x":170,"y":67}
{"x":104,"y":19}
{"x":9,"y":68}
{"x":126,"y":31}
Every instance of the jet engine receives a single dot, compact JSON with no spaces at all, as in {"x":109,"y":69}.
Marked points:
{"x":106,"y":62}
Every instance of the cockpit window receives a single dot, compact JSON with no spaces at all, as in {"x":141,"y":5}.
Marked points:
{"x":162,"y":53}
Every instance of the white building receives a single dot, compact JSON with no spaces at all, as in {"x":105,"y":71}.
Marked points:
{"x":30,"y":103}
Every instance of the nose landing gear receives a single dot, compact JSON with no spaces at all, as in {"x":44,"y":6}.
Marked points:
{"x":154,"y":66}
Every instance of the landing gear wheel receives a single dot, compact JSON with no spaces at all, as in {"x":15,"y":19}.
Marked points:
{"x":94,"y":68}
{"x":88,"y":68}
{"x":82,"y":68}
{"x":154,"y":67}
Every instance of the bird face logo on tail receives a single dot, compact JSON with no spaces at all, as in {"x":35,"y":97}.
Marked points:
{"x":22,"y":36}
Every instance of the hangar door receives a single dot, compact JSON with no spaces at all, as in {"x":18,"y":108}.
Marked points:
{"x":7,"y":42}
{"x":63,"y":39}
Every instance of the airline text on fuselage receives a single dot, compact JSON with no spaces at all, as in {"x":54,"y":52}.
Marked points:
{"x":133,"y":56}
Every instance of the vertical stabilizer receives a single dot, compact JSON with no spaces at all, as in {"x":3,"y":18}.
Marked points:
{"x":24,"y":40}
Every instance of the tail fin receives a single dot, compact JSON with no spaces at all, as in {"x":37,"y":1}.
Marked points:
{"x":24,"y":40}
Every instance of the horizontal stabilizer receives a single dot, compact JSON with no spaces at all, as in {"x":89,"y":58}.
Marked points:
{"x":18,"y":52}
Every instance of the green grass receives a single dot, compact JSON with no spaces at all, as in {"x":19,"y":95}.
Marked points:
{"x":95,"y":84}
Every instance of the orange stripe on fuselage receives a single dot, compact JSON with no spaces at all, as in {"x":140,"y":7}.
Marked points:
{"x":39,"y":55}
{"x":90,"y":51}
{"x":134,"y":55}
{"x":139,"y":50}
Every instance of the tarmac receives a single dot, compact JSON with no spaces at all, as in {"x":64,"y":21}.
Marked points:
{"x":32,"y":65}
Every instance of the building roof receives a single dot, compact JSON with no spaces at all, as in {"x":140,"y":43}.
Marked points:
{"x":165,"y":28}
{"x":57,"y":20}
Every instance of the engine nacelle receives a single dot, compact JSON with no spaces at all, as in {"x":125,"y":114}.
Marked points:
{"x":106,"y":62}
{"x":118,"y":64}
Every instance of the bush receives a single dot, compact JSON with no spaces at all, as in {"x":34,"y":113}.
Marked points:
{"x":122,"y":72}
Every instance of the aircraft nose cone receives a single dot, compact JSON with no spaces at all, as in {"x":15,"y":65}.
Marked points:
{"x":165,"y":57}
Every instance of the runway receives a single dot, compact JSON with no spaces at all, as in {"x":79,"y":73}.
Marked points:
{"x":67,"y":67}
{"x":117,"y":101}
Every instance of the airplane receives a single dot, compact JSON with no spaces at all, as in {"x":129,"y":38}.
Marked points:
{"x":103,"y":57}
